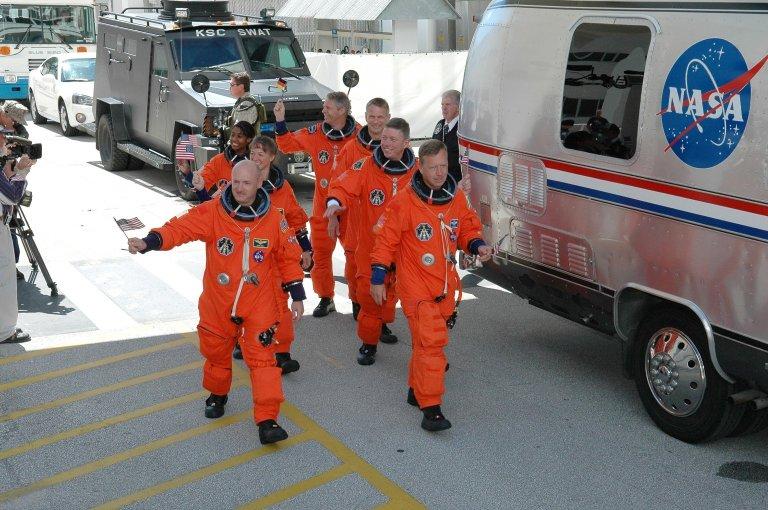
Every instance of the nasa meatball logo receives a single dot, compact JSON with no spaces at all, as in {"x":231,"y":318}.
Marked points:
{"x":225,"y":246}
{"x":258,"y":256}
{"x":427,"y":259}
{"x":323,"y":156}
{"x":705,"y":102}
{"x":377,"y":197}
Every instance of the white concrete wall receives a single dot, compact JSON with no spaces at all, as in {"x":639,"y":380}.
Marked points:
{"x":412,"y":83}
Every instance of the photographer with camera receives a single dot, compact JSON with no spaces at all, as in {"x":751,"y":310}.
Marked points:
{"x":13,"y":183}
{"x":13,"y":118}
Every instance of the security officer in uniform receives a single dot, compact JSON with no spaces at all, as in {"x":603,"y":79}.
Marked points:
{"x":420,"y":232}
{"x":447,"y":131}
{"x":247,"y":248}
{"x":246,"y":107}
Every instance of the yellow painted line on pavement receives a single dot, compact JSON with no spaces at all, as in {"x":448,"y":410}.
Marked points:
{"x":348,"y":457}
{"x":205,"y":472}
{"x":90,"y":427}
{"x":92,"y":364}
{"x":31,"y":355}
{"x":15,"y":415}
{"x":299,"y":488}
{"x":117,"y":458}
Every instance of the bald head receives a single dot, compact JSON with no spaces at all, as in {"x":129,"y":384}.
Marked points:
{"x":246,"y":181}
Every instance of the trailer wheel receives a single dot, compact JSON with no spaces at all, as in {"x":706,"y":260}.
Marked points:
{"x":36,"y":117}
{"x":678,"y":385}
{"x":112,"y":158}
{"x":184,"y":191}
{"x":752,"y":422}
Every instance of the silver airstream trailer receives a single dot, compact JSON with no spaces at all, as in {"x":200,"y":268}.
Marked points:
{"x":618,"y":159}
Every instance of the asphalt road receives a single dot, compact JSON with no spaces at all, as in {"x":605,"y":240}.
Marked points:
{"x":113,"y":415}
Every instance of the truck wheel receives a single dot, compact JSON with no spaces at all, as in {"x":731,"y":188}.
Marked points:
{"x":135,"y":163}
{"x":66,"y":128}
{"x":677,"y":383}
{"x":112,"y":158}
{"x":184,"y":192}
{"x":752,"y":422}
{"x":36,"y":117}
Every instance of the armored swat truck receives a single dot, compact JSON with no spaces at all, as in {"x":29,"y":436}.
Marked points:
{"x":150,"y":65}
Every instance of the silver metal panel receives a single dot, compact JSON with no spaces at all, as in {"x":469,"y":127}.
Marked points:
{"x":515,"y":104}
{"x":552,"y":247}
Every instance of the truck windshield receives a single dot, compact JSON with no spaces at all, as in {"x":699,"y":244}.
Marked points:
{"x":46,"y":24}
{"x":274,"y":51}
{"x":195,"y":54}
{"x":81,"y":69}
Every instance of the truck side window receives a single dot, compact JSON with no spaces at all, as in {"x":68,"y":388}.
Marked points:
{"x":160,"y":62}
{"x":602,"y":90}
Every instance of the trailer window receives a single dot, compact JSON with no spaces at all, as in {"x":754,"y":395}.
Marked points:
{"x":602,"y":90}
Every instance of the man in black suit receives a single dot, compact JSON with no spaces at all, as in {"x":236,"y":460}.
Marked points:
{"x":447,"y":130}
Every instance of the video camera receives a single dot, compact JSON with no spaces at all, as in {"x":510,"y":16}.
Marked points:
{"x":19,"y":146}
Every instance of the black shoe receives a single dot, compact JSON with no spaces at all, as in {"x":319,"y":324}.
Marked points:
{"x":19,"y":275}
{"x":237,"y":353}
{"x":285,"y":363}
{"x":387,"y":336}
{"x":323,"y":308}
{"x":434,"y":420}
{"x":367,"y":354}
{"x":270,"y":432}
{"x":214,"y":406}
{"x":355,"y":309}
{"x":17,"y":337}
{"x":412,"y":398}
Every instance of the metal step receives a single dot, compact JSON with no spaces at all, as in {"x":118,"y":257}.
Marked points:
{"x":89,"y":128}
{"x":147,"y":156}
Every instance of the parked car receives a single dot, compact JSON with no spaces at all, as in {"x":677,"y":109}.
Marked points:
{"x":61,"y":89}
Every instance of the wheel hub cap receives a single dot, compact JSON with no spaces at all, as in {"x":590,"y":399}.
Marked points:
{"x":675,"y":372}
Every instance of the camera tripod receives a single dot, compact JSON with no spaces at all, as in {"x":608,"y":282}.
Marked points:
{"x":20,"y":225}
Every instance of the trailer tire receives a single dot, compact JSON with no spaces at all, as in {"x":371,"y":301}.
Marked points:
{"x":112,"y":158}
{"x":677,"y":383}
{"x":752,"y":422}
{"x":185,"y":192}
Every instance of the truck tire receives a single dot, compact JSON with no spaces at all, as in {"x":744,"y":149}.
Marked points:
{"x":36,"y":117}
{"x":677,"y":383}
{"x":66,"y":127}
{"x":185,"y":192}
{"x":752,"y":422}
{"x":112,"y":158}
{"x":135,"y":163}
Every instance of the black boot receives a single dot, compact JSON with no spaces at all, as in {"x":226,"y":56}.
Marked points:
{"x":285,"y":363}
{"x":434,"y":420}
{"x":355,"y":309}
{"x":366,"y":354}
{"x":214,"y":406}
{"x":270,"y":432}
{"x":17,"y":337}
{"x":412,"y":398}
{"x":238,"y":352}
{"x":324,"y":307}
{"x":387,"y":336}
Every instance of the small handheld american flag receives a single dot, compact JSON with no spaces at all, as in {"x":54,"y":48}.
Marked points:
{"x":127,"y":224}
{"x":185,"y":147}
